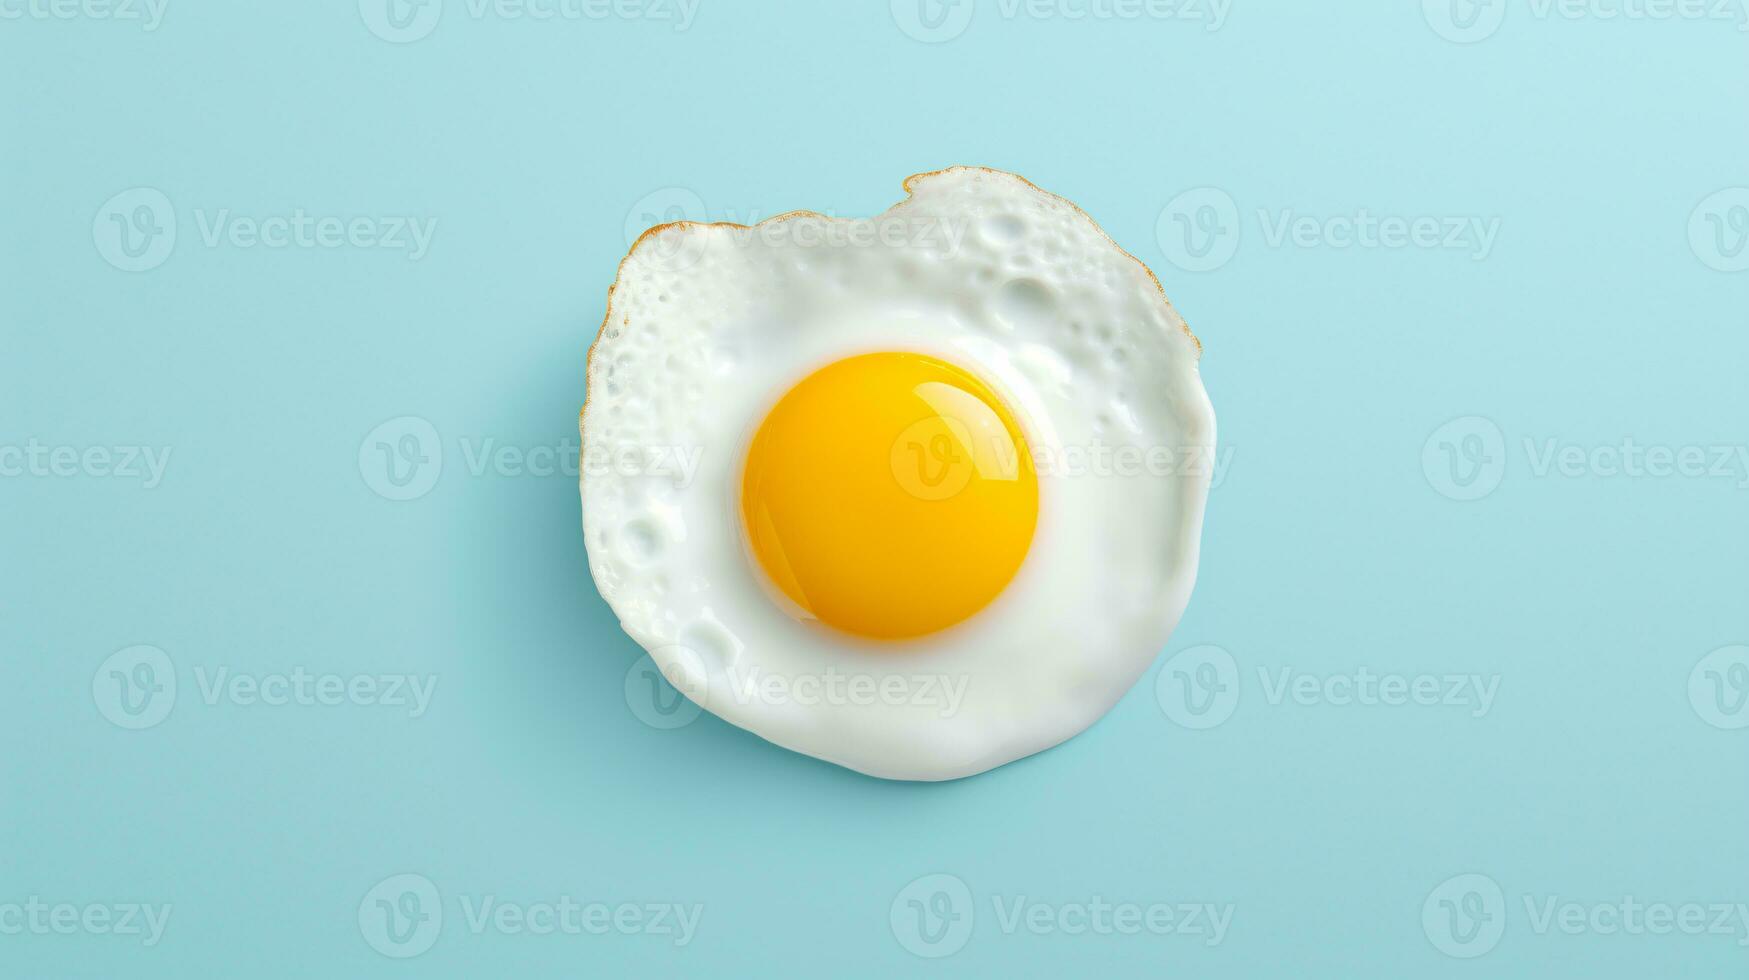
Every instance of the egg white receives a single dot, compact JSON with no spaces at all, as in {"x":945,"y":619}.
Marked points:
{"x":708,"y":325}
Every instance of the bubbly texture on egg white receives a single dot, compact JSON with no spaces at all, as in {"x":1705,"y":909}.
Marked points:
{"x":1094,"y":486}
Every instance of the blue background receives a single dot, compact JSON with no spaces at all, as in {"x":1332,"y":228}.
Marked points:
{"x":1329,"y":546}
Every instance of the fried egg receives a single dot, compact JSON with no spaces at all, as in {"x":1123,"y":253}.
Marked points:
{"x":919,"y":494}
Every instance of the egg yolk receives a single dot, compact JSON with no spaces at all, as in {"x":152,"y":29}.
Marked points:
{"x":889,"y":495}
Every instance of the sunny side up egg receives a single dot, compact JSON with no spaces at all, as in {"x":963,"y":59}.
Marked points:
{"x":919,"y":494}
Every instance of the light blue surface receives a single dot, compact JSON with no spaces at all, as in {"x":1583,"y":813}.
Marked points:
{"x":1584,"y":599}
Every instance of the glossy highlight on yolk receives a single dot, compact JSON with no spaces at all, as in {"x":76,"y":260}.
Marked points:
{"x":889,"y":495}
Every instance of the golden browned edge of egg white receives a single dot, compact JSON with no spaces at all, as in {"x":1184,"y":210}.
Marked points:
{"x":791,"y":215}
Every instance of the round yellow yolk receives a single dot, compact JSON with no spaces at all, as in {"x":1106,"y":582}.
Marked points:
{"x":889,"y":495}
